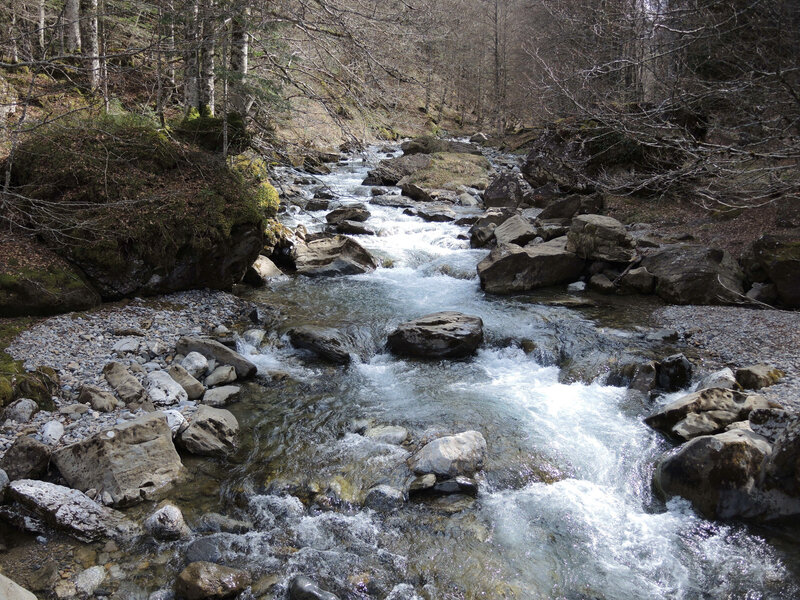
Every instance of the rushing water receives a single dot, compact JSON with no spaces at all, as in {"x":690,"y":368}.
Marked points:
{"x":565,"y":508}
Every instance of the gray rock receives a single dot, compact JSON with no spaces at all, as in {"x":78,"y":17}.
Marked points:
{"x":392,"y":170}
{"x":123,"y":383}
{"x":222,"y":354}
{"x":72,"y":511}
{"x":26,"y":458}
{"x":705,"y":412}
{"x":349,"y":228}
{"x":758,"y":376}
{"x":303,"y":588}
{"x":87,"y":581}
{"x":193,"y":388}
{"x":505,"y":190}
{"x":332,"y":256}
{"x":387,"y":434}
{"x":128,"y":345}
{"x":164,"y":390}
{"x":574,"y":204}
{"x":423,"y":483}
{"x":776,"y":259}
{"x":21,"y":410}
{"x":4,"y":481}
{"x":770,"y":423}
{"x":511,"y":268}
{"x":99,"y":400}
{"x":723,"y":378}
{"x":457,"y":485}
{"x":254,"y":337}
{"x":167,"y":523}
{"x":176,"y":421}
{"x":10,"y":590}
{"x":435,"y":213}
{"x":695,"y":275}
{"x":449,"y":456}
{"x":601,"y":283}
{"x":221,"y":396}
{"x":216,"y":522}
{"x":597,"y":237}
{"x":211,"y":432}
{"x":384,"y":498}
{"x":52,"y":432}
{"x":221,"y":375}
{"x":261,"y":271}
{"x":329,"y":343}
{"x":716,"y":473}
{"x":440,"y":335}
{"x":637,"y":281}
{"x":673,"y":373}
{"x":479,"y":138}
{"x":208,"y":581}
{"x":515,"y":230}
{"x":195,"y":364}
{"x":351,"y":212}
{"x":132,"y":462}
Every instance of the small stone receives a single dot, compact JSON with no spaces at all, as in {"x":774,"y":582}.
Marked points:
{"x":221,"y":375}
{"x":176,"y":421}
{"x":164,"y":390}
{"x":167,"y":524}
{"x":52,"y":432}
{"x":89,"y":580}
{"x":21,"y":410}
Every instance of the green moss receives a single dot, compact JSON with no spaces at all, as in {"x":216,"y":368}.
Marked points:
{"x":387,"y":133}
{"x":207,"y":131}
{"x":255,"y":171}
{"x":449,"y":170}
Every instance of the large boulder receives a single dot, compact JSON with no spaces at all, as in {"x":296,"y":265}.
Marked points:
{"x":211,"y":432}
{"x":219,"y":352}
{"x":440,"y":335}
{"x":193,"y":388}
{"x":776,"y":258}
{"x":261,"y":271}
{"x":163,"y":390}
{"x":203,"y":228}
{"x":72,"y":511}
{"x":351,"y":212}
{"x":718,"y":474}
{"x":516,"y":230}
{"x":449,"y":172}
{"x":392,"y":170}
{"x":450,"y":456}
{"x":505,"y":191}
{"x":328,"y":343}
{"x":132,"y":462}
{"x":511,"y":268}
{"x":482,"y":231}
{"x":26,"y":458}
{"x":755,"y":377}
{"x":430,"y":145}
{"x":209,"y":581}
{"x":695,"y":275}
{"x":332,"y":256}
{"x":574,"y":204}
{"x":597,"y":237}
{"x":705,"y":412}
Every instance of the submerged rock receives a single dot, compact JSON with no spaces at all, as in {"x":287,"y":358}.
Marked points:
{"x":387,"y":434}
{"x":440,"y":335}
{"x":208,"y":581}
{"x":131,"y":462}
{"x":73,"y":511}
{"x":449,"y":456}
{"x":511,"y":268}
{"x":303,"y":588}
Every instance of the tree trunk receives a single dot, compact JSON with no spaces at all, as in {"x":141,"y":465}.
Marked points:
{"x":90,"y":47}
{"x":191,"y":90}
{"x":72,"y":26}
{"x":240,"y":100}
{"x":42,"y":24}
{"x":207,"y":58}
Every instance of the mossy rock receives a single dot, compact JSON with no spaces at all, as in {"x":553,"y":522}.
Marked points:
{"x":449,"y":171}
{"x":207,"y":131}
{"x":146,"y":214}
{"x":45,"y":291}
{"x":6,"y":391}
{"x":39,"y":385}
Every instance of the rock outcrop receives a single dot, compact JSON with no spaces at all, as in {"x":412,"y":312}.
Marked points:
{"x":440,"y":335}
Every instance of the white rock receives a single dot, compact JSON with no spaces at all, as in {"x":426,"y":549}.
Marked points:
{"x":461,"y":454}
{"x":195,"y":363}
{"x":176,"y":421}
{"x":52,"y":432}
{"x":221,"y":375}
{"x":89,"y":580}
{"x":163,"y":389}
{"x":719,"y":379}
{"x":128,"y":345}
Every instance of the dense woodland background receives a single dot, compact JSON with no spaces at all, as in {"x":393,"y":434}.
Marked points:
{"x":664,"y":97}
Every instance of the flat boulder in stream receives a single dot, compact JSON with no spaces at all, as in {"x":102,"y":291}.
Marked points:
{"x":219,"y":352}
{"x":439,"y":335}
{"x":351,"y":212}
{"x":510,"y":268}
{"x":326,"y":342}
{"x":451,"y":456}
{"x":211,"y":432}
{"x":332,"y":256}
